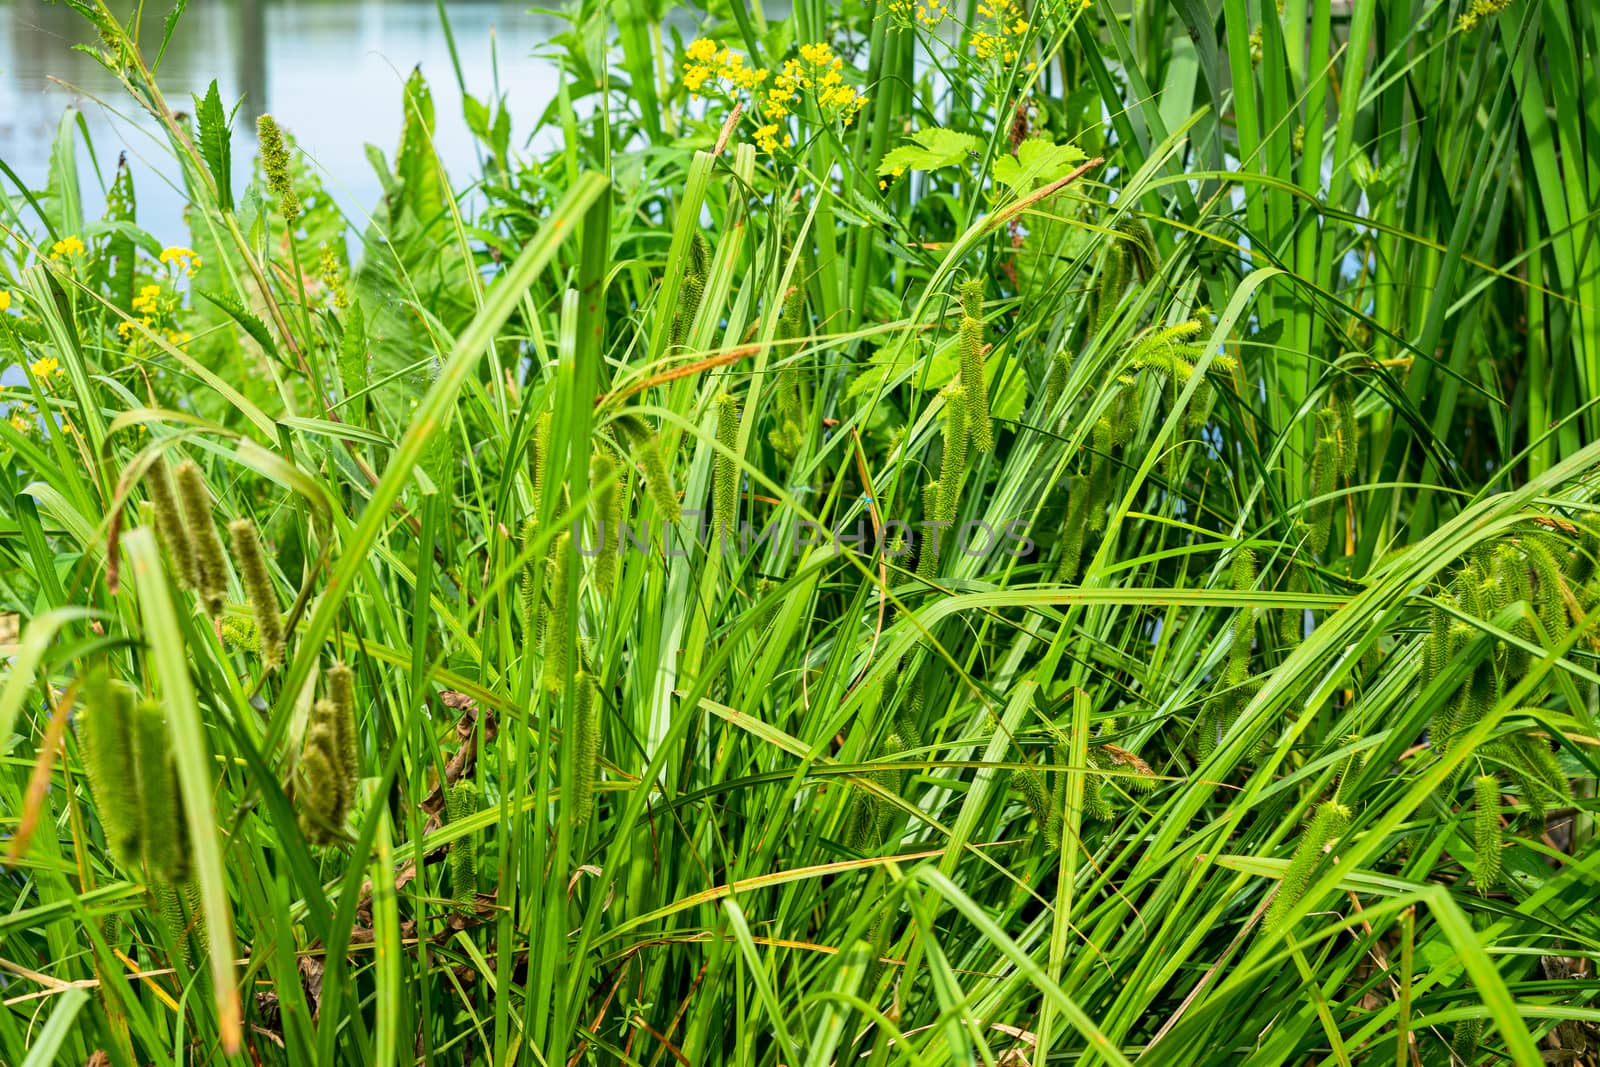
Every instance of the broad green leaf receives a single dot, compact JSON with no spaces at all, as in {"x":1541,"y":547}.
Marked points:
{"x":931,"y":149}
{"x":1037,"y":160}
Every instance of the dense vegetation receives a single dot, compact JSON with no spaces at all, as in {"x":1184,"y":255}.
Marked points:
{"x":926,"y":533}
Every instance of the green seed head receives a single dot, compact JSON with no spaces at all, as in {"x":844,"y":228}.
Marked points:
{"x":461,"y":802}
{"x":725,"y":472}
{"x":586,"y":746}
{"x":354,"y":356}
{"x":658,"y":481}
{"x":1330,"y":821}
{"x":1487,"y":838}
{"x":169,"y":908}
{"x":275,"y":161}
{"x":342,"y":694}
{"x":972,"y":298}
{"x":162,"y":830}
{"x":954,"y":463}
{"x":105,"y":745}
{"x":211,"y":561}
{"x":980,"y":428}
{"x":322,"y":794}
{"x":555,"y":631}
{"x":603,"y":475}
{"x":170,"y":526}
{"x":932,"y":537}
{"x":1072,"y":531}
{"x":251,"y":560}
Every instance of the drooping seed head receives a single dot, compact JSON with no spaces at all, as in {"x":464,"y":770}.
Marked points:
{"x":211,"y":560}
{"x":251,"y":560}
{"x":170,"y":527}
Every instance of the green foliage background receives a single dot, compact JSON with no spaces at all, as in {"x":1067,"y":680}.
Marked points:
{"x":1277,"y":324}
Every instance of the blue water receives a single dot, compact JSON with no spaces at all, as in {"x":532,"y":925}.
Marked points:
{"x":332,"y":73}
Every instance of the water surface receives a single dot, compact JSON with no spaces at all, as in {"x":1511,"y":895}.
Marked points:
{"x":331,"y":72}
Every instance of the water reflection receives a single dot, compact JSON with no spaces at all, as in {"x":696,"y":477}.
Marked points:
{"x":331,"y":72}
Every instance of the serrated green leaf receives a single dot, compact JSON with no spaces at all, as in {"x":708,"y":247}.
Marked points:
{"x":1037,"y":160}
{"x":243,"y":316}
{"x":931,"y":149}
{"x":215,"y":143}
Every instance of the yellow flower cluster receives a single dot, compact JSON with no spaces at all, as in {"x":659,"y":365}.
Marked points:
{"x":146,"y":301}
{"x":181,"y":257}
{"x":67,"y":246}
{"x":713,"y":69}
{"x":152,"y":308}
{"x":331,"y":277}
{"x":44,"y":368}
{"x":927,"y":13}
{"x":1480,"y":10}
{"x":5,"y":300}
{"x":1008,"y":25}
{"x":821,"y":74}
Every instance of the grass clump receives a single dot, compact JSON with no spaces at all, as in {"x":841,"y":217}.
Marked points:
{"x":1038,"y":533}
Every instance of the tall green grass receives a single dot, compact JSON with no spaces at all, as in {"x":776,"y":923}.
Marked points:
{"x":1268,"y":330}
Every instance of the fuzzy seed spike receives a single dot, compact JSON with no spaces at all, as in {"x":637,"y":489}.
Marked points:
{"x":1486,"y":841}
{"x":1096,"y":804}
{"x":1030,"y":783}
{"x":953,"y":466}
{"x":532,"y":598}
{"x":1464,"y":1040}
{"x":105,"y":744}
{"x":1349,"y":441}
{"x":189,"y":891}
{"x":1056,"y":383}
{"x":1551,"y":592}
{"x":170,"y":526}
{"x":256,"y":576}
{"x":1329,"y":822}
{"x":725,"y":468}
{"x":211,"y":561}
{"x":979,"y":426}
{"x":1112,"y":281}
{"x":169,"y":907}
{"x":603,"y":473}
{"x":462,"y":802}
{"x":160,"y":810}
{"x":275,"y":162}
{"x":539,"y":458}
{"x":342,"y":692}
{"x":933,"y":536}
{"x":1072,"y":531}
{"x":586,"y":753}
{"x":657,"y":479}
{"x":555,"y":631}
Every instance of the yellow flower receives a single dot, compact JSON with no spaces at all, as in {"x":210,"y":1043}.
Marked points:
{"x":816,"y":54}
{"x":67,"y":246}
{"x":146,"y":300}
{"x":125,"y":329}
{"x":767,"y":137}
{"x":702,"y":49}
{"x":20,"y":424}
{"x":183,"y":257}
{"x":5,"y":300}
{"x":44,"y":367}
{"x":695,"y":76}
